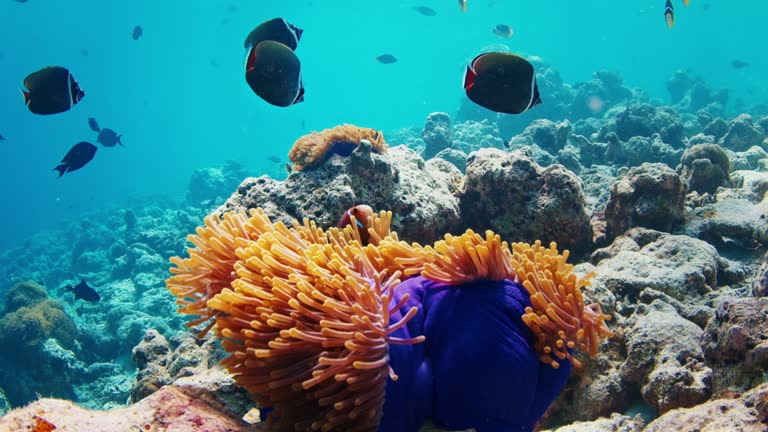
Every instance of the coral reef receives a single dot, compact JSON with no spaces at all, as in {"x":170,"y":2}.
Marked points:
{"x":691,"y":93}
{"x":29,"y":325}
{"x":679,"y":266}
{"x":194,"y":363}
{"x":419,"y":193}
{"x":734,"y":219}
{"x":469,"y":136}
{"x":664,"y":358}
{"x":735,"y":345}
{"x":309,"y":305}
{"x":742,"y":134}
{"x":549,"y":136}
{"x":310,"y":151}
{"x":748,"y":413}
{"x":651,"y":196}
{"x":511,"y":194}
{"x":171,"y":408}
{"x":704,"y":168}
{"x":645,"y":120}
{"x":437,"y":134}
{"x":760,"y":283}
{"x":209,"y":185}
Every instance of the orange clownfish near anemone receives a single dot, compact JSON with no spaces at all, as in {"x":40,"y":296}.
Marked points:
{"x":361,"y":213}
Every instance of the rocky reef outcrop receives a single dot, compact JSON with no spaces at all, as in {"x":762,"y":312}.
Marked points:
{"x":513,"y":196}
{"x":420,"y":194}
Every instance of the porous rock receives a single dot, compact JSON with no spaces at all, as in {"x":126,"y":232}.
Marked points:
{"x":651,"y":196}
{"x":682,"y":267}
{"x":521,"y":201}
{"x":421,"y":198}
{"x":169,"y":409}
{"x":748,"y":413}
{"x":736,"y":341}
{"x":704,"y":168}
{"x":645,"y":120}
{"x":437,"y":134}
{"x":548,"y":135}
{"x":664,"y":357}
{"x":616,"y":423}
{"x":742,"y":134}
{"x":760,"y":284}
{"x":456,"y":157}
{"x":469,"y":136}
{"x":735,"y":219}
{"x":193,"y":363}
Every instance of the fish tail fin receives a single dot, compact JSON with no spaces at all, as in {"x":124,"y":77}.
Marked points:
{"x":61,"y":169}
{"x":119,"y":141}
{"x":469,"y":78}
{"x":26,"y":96}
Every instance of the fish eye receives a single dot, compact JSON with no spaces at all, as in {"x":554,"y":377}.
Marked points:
{"x":354,"y":210}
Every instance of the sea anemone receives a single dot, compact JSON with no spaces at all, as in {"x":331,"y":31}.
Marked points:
{"x":558,"y":316}
{"x":312,"y":318}
{"x":210,"y":266}
{"x":310,"y":151}
{"x":308,"y":325}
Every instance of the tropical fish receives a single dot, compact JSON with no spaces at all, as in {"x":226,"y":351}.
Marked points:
{"x":425,"y":10}
{"x":503,"y":30}
{"x":361,"y":213}
{"x":276,"y":29}
{"x":463,"y":5}
{"x":502,"y":82}
{"x":273,"y":72}
{"x":76,"y":158}
{"x":93,"y":124}
{"x":274,"y":159}
{"x":109,"y":138}
{"x":685,"y":2}
{"x":137,"y":32}
{"x":2,"y":138}
{"x":738,"y":64}
{"x":84,"y":292}
{"x":51,"y":90}
{"x":386,"y":58}
{"x":669,"y":14}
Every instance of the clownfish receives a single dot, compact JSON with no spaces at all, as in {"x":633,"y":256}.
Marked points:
{"x":361,"y":213}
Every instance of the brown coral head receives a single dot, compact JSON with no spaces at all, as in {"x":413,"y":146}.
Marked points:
{"x":310,"y":151}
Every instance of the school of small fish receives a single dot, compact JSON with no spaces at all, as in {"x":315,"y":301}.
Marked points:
{"x":498,"y":81}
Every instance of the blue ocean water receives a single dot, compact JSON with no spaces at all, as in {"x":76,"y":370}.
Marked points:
{"x":179,"y":97}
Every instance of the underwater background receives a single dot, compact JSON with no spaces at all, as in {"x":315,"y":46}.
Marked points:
{"x":178,"y":96}
{"x":682,"y":278}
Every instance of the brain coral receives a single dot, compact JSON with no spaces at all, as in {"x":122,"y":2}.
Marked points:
{"x":27,"y":327}
{"x":313,"y":149}
{"x":23,"y":294}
